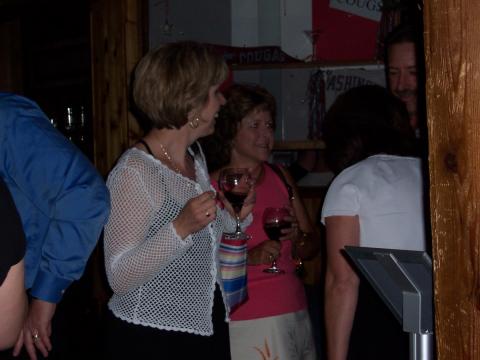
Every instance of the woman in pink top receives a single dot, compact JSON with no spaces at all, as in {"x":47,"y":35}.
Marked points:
{"x":273,"y":322}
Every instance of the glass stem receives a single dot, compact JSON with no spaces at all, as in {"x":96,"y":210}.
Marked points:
{"x":238,"y":230}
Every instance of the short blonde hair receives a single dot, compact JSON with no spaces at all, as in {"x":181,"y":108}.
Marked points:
{"x":174,"y":79}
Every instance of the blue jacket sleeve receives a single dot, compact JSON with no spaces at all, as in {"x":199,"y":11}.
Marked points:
{"x":62,"y":199}
{"x":78,"y":213}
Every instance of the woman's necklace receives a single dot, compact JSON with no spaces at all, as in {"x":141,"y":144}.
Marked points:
{"x":169,"y":158}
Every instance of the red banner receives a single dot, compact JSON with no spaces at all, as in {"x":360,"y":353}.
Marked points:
{"x":342,"y":36}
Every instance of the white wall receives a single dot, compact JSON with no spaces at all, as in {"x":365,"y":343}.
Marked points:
{"x":199,"y":20}
{"x":234,"y":22}
{"x":244,"y":23}
{"x":273,"y":22}
{"x":269,"y":22}
{"x":296,"y":17}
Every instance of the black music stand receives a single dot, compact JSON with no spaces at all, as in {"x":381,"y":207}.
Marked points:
{"x":403,"y":279}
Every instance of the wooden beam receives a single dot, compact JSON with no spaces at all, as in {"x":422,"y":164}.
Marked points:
{"x":117,"y":44}
{"x":452,"y":54}
{"x":11,"y":77}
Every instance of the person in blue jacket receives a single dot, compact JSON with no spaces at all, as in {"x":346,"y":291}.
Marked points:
{"x":63,"y":204}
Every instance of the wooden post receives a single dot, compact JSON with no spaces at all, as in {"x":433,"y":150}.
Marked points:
{"x":117,"y":44}
{"x":452,"y":54}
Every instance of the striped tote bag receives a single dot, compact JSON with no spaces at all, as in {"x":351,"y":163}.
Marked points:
{"x":233,"y":269}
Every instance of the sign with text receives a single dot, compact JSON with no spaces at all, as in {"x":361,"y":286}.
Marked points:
{"x":339,"y":80}
{"x":369,"y":9}
{"x":253,"y":55}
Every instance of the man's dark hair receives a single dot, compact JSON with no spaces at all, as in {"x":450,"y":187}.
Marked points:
{"x":366,"y":121}
{"x":402,"y":33}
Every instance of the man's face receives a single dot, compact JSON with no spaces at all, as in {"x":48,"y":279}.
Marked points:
{"x":402,"y":76}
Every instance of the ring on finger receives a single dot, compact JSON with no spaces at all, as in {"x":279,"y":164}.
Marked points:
{"x":35,"y":336}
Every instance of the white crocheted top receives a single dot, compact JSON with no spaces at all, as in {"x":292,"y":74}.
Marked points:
{"x":158,"y":279}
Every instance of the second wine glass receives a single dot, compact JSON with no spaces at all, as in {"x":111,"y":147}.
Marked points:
{"x":274,"y":220}
{"x":235,"y":184}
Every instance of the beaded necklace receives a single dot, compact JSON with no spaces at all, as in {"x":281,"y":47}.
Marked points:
{"x":169,"y":158}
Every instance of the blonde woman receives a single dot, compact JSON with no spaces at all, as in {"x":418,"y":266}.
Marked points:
{"x":162,"y":237}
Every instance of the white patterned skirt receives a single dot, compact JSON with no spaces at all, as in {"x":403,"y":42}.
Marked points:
{"x":281,"y":337}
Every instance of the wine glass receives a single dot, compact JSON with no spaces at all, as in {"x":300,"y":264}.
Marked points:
{"x":235,"y":184}
{"x":313,"y":36}
{"x":274,"y":220}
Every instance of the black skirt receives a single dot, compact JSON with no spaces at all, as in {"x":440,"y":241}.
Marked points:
{"x":129,"y":341}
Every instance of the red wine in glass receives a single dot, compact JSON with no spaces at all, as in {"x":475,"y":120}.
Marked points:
{"x":236,"y":199}
{"x":274,"y":230}
{"x":235,"y":184}
{"x":274,"y":220}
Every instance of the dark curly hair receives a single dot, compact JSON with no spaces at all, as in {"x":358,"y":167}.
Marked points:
{"x":365,"y":121}
{"x":242,"y":99}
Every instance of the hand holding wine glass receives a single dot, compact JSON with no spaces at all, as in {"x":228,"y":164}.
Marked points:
{"x":274,"y":221}
{"x":197,"y":213}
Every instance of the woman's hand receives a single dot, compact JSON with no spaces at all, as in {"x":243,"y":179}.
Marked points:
{"x":197,"y":213}
{"x":37,"y":329}
{"x":264,"y":253}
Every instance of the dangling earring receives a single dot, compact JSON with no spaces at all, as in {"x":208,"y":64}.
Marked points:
{"x":194,"y":123}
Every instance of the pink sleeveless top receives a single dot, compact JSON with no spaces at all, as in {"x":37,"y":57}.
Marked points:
{"x":270,"y":294}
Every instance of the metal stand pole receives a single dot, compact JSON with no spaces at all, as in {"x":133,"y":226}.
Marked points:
{"x":421,"y":346}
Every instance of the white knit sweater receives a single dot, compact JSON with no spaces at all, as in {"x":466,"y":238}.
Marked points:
{"x":158,"y":279}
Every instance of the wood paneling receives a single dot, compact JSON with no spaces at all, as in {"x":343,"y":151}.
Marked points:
{"x":117,"y":44}
{"x":452,"y":53}
{"x":11,"y":57}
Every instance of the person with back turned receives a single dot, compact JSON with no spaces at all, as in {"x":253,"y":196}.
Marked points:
{"x":63,"y":204}
{"x":375,"y":200}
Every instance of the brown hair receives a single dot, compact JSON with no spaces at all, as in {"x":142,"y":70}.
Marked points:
{"x":173,"y":80}
{"x":364,"y":121}
{"x":242,"y":99}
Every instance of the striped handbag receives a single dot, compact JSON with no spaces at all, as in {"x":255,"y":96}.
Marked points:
{"x":233,"y":268}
